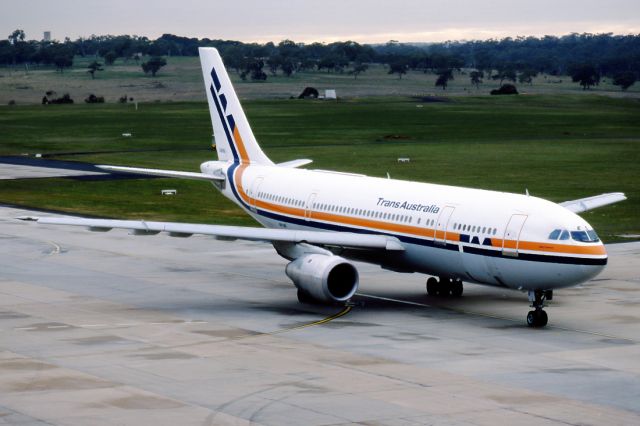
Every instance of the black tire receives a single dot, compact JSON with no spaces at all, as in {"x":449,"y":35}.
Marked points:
{"x":543,"y":318}
{"x":432,"y":286}
{"x":531,"y":318}
{"x":457,"y":288}
{"x":537,"y":318}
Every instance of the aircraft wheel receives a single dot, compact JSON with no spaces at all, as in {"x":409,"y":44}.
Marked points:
{"x":531,"y":318}
{"x":537,"y":318}
{"x":543,"y":318}
{"x":432,"y":286}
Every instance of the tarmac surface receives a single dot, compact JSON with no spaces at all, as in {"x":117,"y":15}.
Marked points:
{"x":29,"y":167}
{"x":110,"y":328}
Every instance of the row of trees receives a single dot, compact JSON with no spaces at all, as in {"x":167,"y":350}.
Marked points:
{"x":519,"y":58}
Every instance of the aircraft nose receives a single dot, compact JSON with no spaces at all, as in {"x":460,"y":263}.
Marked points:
{"x":589,"y":272}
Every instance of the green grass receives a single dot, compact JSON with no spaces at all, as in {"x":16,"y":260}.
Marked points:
{"x":181,"y":80}
{"x":558,"y":147}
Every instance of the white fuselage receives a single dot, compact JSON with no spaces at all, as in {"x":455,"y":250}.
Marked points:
{"x":486,"y":237}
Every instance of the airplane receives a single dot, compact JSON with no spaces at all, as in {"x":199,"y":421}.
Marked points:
{"x":322,"y":221}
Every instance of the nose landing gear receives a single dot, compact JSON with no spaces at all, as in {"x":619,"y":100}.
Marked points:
{"x":444,"y":287}
{"x":538,"y":317}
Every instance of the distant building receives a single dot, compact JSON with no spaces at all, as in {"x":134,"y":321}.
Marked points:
{"x":47,"y":36}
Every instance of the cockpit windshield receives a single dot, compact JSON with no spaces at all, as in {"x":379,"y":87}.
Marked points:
{"x":589,"y":236}
{"x":585,"y":236}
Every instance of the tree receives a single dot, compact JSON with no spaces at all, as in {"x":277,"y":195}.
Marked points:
{"x":274,"y":62}
{"x":358,"y":68}
{"x":16,"y":37}
{"x":585,"y":74}
{"x":624,"y":79}
{"x":476,"y":78}
{"x":62,"y":61}
{"x":398,"y":67}
{"x":444,"y":75}
{"x":307,"y":64}
{"x":6,"y":52}
{"x":110,"y":57}
{"x":253,"y":69}
{"x":93,"y":67}
{"x":288,"y":67}
{"x":333,"y":62}
{"x":505,"y":74}
{"x":526,"y":76}
{"x":153,"y":65}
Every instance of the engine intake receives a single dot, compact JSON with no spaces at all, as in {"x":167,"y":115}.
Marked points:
{"x":324,"y":278}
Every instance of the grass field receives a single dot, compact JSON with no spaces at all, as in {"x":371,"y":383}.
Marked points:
{"x":558,"y":147}
{"x":181,"y":80}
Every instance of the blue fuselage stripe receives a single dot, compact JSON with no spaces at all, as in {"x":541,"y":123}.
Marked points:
{"x":434,"y":244}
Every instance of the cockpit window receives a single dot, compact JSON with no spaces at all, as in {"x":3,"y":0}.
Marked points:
{"x":589,"y":236}
{"x":585,"y":236}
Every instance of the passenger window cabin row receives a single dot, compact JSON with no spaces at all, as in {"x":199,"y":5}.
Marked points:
{"x":372,"y":214}
{"x":475,"y":229}
{"x":332,"y":208}
{"x":369,"y":214}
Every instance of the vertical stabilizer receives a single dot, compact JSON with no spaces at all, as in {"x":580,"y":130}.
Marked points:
{"x":234,"y":138}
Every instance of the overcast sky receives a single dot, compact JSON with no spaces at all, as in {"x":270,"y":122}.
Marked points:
{"x":365,"y":21}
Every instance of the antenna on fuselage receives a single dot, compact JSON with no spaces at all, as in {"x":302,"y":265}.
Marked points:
{"x":526,"y":191}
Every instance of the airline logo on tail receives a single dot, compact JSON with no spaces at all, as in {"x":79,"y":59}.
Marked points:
{"x":228,"y":123}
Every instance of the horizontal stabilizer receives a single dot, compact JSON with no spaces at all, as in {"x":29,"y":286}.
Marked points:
{"x":590,"y":203}
{"x":293,"y":164}
{"x":163,"y":173}
{"x":141,"y":227}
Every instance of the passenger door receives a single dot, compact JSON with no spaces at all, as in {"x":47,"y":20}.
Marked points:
{"x":254,"y":191}
{"x":511,"y":239}
{"x":308,"y":208}
{"x":442,"y":224}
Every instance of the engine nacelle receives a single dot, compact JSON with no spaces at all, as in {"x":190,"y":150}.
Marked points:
{"x":324,"y":278}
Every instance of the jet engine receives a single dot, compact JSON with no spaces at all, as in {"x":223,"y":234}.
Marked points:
{"x":324,"y":278}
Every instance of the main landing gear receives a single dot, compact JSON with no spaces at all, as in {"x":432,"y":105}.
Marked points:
{"x":444,"y":287}
{"x":538,"y":317}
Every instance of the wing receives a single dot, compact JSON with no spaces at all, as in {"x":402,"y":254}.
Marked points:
{"x":339,"y":239}
{"x":589,"y":203}
{"x":164,"y":173}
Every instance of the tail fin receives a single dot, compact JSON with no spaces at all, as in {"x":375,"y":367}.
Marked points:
{"x":234,"y":138}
